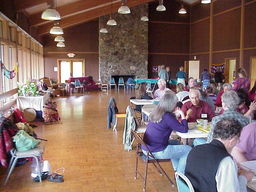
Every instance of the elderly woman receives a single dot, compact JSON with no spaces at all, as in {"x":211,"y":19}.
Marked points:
{"x":162,"y":123}
{"x":242,"y":81}
{"x":226,"y":87}
{"x":196,"y":108}
{"x":161,"y":89}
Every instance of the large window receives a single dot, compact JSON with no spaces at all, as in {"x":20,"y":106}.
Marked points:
{"x":70,"y":68}
{"x":19,"y":52}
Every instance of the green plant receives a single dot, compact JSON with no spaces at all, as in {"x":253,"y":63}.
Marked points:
{"x":28,"y":89}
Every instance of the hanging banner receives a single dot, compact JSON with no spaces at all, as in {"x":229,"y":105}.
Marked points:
{"x":7,"y":73}
{"x":217,"y":67}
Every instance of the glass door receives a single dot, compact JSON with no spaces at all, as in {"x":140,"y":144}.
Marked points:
{"x":65,"y":70}
{"x":70,"y":68}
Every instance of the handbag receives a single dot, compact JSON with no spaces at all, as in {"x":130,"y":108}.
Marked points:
{"x":24,"y":141}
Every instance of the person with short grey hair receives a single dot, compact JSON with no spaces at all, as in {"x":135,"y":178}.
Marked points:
{"x":226,"y":87}
{"x":161,"y":89}
{"x":230,"y":101}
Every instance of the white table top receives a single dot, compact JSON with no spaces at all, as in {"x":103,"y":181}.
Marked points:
{"x":193,"y":132}
{"x":142,"y":101}
{"x":147,"y":109}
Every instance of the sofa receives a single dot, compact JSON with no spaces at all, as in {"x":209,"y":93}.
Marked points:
{"x":87,"y":82}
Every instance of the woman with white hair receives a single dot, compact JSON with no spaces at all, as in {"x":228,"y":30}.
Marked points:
{"x":162,"y":123}
{"x":161,"y":89}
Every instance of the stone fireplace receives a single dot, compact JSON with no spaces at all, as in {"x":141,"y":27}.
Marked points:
{"x":124,"y":50}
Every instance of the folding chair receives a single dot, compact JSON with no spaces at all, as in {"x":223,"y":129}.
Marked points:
{"x":121,"y":82}
{"x":35,"y":153}
{"x":183,"y":183}
{"x":150,"y":90}
{"x":112,"y":83}
{"x":148,"y":158}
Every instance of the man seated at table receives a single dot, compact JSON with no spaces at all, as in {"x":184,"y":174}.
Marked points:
{"x":245,"y":150}
{"x":210,"y":166}
{"x":195,"y":108}
{"x":161,"y":89}
{"x":230,"y":101}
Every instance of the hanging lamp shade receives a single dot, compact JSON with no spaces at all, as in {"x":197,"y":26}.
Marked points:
{"x":71,"y":55}
{"x":56,"y":30}
{"x":205,"y":1}
{"x":111,"y":22}
{"x":161,"y":7}
{"x":124,"y":9}
{"x":50,"y":14}
{"x":59,"y":39}
{"x":182,"y":10}
{"x":60,"y":44}
{"x":144,"y":18}
{"x":103,"y":30}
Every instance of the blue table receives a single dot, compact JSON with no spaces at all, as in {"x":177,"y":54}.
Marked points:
{"x":153,"y":81}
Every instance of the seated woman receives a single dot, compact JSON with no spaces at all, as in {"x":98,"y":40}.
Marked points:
{"x":162,"y":123}
{"x":161,"y":89}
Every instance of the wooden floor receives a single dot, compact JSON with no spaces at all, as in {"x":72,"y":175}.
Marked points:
{"x":92,"y":155}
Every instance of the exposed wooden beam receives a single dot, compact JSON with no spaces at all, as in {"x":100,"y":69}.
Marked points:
{"x":88,"y":15}
{"x":71,"y":9}
{"x":24,"y":4}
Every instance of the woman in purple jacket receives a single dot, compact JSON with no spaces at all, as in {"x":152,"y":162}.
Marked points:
{"x":162,"y":123}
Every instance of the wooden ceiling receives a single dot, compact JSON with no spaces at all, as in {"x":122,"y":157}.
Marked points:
{"x":72,"y":12}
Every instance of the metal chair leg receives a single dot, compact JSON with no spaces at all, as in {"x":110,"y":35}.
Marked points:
{"x":10,"y":171}
{"x":38,"y":168}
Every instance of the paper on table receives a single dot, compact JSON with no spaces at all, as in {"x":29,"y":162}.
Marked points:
{"x":251,"y":165}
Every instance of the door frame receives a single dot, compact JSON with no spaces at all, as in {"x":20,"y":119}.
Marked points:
{"x":249,"y":75}
{"x":71,"y":62}
{"x":226,"y":70}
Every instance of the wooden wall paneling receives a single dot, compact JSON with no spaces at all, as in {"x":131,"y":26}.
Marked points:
{"x":247,"y":59}
{"x":222,"y":5}
{"x":165,"y":38}
{"x":173,"y":61}
{"x":241,"y":56}
{"x":250,"y":26}
{"x":226,"y":30}
{"x":211,"y":35}
{"x":218,"y":58}
{"x":199,"y":11}
{"x":199,"y":35}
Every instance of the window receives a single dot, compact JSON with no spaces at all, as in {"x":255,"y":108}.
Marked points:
{"x":1,"y":29}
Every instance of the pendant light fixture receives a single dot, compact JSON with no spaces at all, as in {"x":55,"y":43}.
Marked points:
{"x":124,"y":9}
{"x":51,"y":14}
{"x":103,"y":30}
{"x":182,"y":10}
{"x":205,"y":1}
{"x":71,"y":55}
{"x":111,"y":21}
{"x":60,"y":44}
{"x":56,"y":30}
{"x":161,"y":7}
{"x":59,"y":39}
{"x":144,"y":17}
